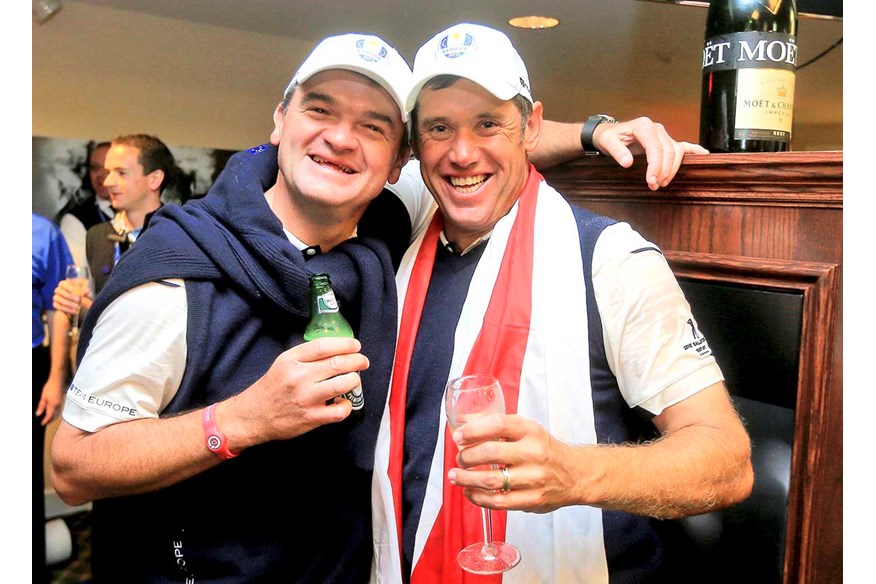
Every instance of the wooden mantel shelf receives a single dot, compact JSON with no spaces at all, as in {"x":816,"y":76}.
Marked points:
{"x":785,"y":178}
{"x":772,"y":219}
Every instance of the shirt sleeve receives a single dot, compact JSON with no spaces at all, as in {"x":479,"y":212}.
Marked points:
{"x":74,"y":234}
{"x":135,"y":360}
{"x":417,"y":199}
{"x":57,"y":260}
{"x":652,"y":341}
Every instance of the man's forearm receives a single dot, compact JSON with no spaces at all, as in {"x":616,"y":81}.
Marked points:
{"x":59,"y":346}
{"x":128,"y":458}
{"x":148,"y":454}
{"x":560,"y":142}
{"x":701,"y":463}
{"x":694,"y":470}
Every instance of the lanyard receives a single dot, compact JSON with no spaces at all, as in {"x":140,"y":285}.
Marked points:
{"x":122,"y":243}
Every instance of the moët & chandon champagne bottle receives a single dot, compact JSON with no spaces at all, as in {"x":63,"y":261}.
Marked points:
{"x":749,"y":65}
{"x":326,"y":320}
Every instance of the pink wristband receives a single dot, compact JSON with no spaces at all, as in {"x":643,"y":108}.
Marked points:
{"x":215,"y":438}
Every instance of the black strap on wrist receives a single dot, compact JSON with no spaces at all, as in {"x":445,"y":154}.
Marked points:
{"x":588,"y":129}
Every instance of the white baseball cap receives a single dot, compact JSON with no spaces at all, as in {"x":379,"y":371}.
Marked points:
{"x":366,"y":54}
{"x":478,"y":53}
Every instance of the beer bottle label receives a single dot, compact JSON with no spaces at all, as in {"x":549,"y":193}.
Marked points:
{"x":327,"y":302}
{"x":356,"y":397}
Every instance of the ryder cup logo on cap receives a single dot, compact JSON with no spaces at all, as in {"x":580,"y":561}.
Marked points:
{"x":365,"y":54}
{"x":371,"y":50}
{"x":478,"y":53}
{"x":456,"y":44}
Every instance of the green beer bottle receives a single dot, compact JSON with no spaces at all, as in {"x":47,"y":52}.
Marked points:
{"x":326,"y":320}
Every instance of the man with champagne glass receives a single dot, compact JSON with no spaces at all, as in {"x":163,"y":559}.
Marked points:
{"x":587,"y":330}
{"x":77,"y":217}
{"x":186,"y":444}
{"x":138,"y":167}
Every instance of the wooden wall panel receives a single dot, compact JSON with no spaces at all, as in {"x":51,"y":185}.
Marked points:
{"x":783,"y":210}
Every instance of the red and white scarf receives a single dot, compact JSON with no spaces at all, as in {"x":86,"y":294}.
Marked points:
{"x":494,"y":335}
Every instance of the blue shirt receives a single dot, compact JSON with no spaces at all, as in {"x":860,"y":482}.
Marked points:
{"x":49,"y":266}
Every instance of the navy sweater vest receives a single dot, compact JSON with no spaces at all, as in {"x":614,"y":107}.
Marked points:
{"x":290,"y":511}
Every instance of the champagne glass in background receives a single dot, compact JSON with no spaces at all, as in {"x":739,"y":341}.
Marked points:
{"x":78,"y":277}
{"x":469,"y":397}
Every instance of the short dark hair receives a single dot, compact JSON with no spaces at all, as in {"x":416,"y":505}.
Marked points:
{"x":524,"y":106}
{"x":92,"y":146}
{"x":287,"y":99}
{"x":90,"y":149}
{"x":154,"y":155}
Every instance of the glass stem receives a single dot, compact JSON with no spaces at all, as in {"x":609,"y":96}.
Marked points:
{"x":74,"y":323}
{"x":487,"y":520}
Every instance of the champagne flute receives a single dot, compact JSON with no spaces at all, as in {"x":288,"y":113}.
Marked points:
{"x":78,"y":277}
{"x":466,"y":398}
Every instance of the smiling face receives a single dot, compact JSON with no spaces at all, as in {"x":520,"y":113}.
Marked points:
{"x":339,"y":141}
{"x":473,"y":151}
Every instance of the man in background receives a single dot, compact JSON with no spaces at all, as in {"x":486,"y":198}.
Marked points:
{"x":137,"y":169}
{"x":77,"y":217}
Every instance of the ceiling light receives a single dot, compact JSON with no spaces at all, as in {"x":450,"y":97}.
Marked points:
{"x":45,"y":9}
{"x":534,"y":22}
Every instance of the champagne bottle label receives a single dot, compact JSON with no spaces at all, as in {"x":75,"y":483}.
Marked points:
{"x":750,"y":50}
{"x":764,"y":104}
{"x":765,"y":64}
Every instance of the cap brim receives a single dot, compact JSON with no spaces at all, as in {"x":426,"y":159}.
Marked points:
{"x":301,"y":77}
{"x":499,"y":89}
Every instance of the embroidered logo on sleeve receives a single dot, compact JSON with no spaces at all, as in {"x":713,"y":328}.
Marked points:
{"x":698,"y":343}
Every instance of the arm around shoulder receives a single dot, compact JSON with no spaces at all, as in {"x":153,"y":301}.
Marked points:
{"x":561,"y":142}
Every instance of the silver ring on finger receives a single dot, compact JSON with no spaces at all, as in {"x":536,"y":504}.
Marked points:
{"x":506,"y":479}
